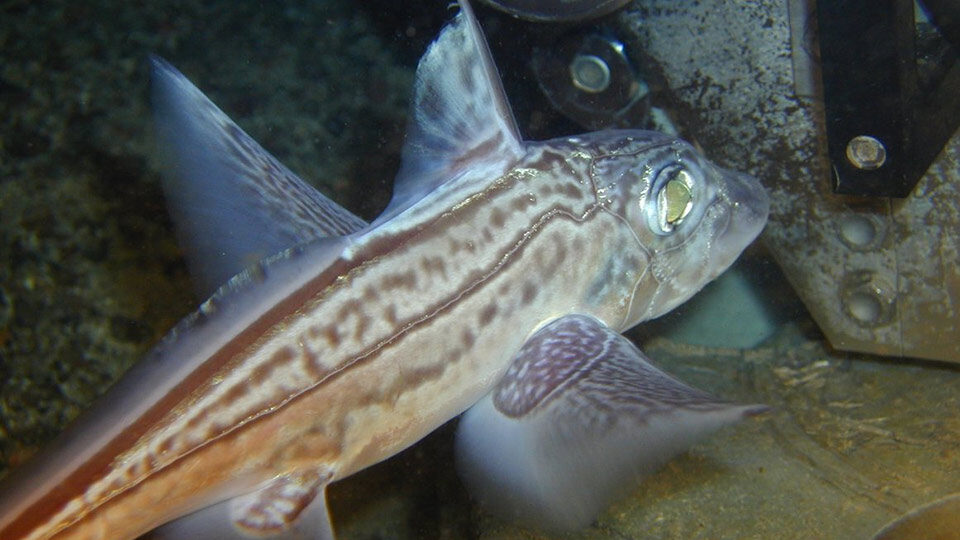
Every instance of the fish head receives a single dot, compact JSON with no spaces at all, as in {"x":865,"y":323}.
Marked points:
{"x":690,"y":217}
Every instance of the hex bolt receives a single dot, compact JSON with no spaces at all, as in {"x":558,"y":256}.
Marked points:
{"x":866,"y":153}
{"x":590,"y":73}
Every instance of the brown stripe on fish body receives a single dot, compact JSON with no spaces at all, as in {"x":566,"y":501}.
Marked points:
{"x":424,"y":273}
{"x":411,"y":291}
{"x":409,"y":294}
{"x":338,"y":334}
{"x":168,"y":491}
{"x":437,"y":370}
{"x":177,"y":426}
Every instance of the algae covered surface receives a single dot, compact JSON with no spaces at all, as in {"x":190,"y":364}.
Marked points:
{"x":91,"y":277}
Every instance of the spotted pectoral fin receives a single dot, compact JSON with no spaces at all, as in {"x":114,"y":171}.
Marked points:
{"x":231,"y":201}
{"x":459,"y":116}
{"x":579,"y":416}
{"x":291,"y":506}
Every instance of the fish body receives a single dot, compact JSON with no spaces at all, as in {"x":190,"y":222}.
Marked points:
{"x":355,"y":340}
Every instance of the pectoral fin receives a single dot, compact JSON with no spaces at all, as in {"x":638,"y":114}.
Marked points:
{"x":291,"y":506}
{"x":579,"y":416}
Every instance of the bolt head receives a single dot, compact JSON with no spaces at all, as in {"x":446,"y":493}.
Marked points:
{"x":590,"y":73}
{"x":866,"y":152}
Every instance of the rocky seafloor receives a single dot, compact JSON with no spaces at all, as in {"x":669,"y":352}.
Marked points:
{"x":91,"y":276}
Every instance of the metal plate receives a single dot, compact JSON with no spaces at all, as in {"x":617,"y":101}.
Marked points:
{"x":878,"y":275}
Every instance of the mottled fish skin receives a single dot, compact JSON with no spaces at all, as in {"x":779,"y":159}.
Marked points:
{"x":339,"y":353}
{"x":360,"y":361}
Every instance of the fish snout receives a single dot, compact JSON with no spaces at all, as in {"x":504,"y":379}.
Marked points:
{"x":749,"y":208}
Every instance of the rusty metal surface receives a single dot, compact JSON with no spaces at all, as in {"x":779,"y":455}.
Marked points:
{"x":878,"y":275}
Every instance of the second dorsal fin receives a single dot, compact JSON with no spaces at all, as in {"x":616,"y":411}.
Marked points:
{"x":231,"y":201}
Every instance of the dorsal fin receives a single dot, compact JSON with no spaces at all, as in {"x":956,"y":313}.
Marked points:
{"x":231,"y":201}
{"x":459,"y":119}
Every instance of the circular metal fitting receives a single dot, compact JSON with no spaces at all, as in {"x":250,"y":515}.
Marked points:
{"x":867,"y":299}
{"x":866,"y":152}
{"x":861,"y":232}
{"x":590,"y":73}
{"x":588,"y":77}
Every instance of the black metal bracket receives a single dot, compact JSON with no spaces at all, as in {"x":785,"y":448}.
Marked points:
{"x":891,"y":87}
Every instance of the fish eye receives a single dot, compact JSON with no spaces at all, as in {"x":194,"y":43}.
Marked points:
{"x":674,"y":189}
{"x":675,"y":199}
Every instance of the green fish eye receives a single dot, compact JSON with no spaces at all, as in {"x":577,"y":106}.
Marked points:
{"x":675,"y":200}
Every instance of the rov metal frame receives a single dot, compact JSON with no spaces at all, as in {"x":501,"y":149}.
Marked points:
{"x":889,"y":91}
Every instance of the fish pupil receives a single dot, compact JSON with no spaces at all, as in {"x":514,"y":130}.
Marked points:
{"x":675,"y":200}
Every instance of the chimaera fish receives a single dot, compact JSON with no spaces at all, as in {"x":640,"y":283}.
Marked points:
{"x":498,"y":279}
